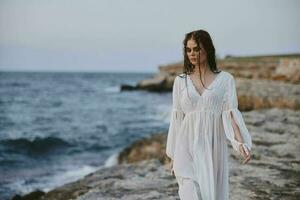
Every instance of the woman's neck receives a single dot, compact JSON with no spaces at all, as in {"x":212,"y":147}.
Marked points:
{"x":203,"y":68}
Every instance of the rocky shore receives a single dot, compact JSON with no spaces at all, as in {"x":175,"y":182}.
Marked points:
{"x":276,"y":84}
{"x":270,"y":106}
{"x":142,"y":173}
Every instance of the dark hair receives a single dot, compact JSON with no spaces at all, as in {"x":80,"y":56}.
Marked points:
{"x":203,"y":37}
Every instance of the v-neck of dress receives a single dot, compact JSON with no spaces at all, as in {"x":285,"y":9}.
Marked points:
{"x":204,"y":90}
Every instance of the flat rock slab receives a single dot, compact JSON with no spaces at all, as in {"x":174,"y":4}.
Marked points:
{"x":147,"y":179}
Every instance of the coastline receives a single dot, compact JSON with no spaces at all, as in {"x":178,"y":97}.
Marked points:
{"x":273,"y":171}
{"x":270,"y":106}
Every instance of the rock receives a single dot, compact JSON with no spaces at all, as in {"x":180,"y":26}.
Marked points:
{"x":288,"y":69}
{"x":171,"y":69}
{"x":158,"y":84}
{"x":275,"y":160}
{"x":283,"y":68}
{"x":145,"y":149}
{"x":273,"y":173}
{"x":127,"y":87}
{"x":259,"y":94}
{"x":35,"y":195}
{"x":147,"y":179}
{"x":267,"y":94}
{"x":276,"y":82}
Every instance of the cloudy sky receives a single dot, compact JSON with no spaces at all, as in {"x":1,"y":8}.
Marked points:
{"x":138,"y":35}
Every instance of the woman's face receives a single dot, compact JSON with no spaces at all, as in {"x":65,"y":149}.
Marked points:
{"x":193,"y":52}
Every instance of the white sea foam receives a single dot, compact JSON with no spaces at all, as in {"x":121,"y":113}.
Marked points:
{"x":112,"y":89}
{"x":112,"y":160}
{"x":49,"y":183}
{"x":70,"y":176}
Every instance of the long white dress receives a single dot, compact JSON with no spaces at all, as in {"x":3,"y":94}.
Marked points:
{"x":199,"y":126}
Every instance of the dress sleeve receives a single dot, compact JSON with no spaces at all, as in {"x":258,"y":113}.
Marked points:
{"x":176,"y":119}
{"x":230,"y":105}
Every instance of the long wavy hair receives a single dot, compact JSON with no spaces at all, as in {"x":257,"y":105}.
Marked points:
{"x":203,"y":37}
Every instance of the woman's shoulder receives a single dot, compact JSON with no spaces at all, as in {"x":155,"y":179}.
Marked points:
{"x":227,"y":73}
{"x":179,"y":80}
{"x":229,"y":80}
{"x":182,"y":75}
{"x":228,"y":76}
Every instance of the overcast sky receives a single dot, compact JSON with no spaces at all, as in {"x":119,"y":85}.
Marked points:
{"x":138,"y":35}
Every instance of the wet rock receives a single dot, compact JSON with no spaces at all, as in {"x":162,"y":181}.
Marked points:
{"x":35,"y":195}
{"x":125,"y":87}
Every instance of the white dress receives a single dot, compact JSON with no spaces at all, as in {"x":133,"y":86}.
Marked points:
{"x":199,"y":126}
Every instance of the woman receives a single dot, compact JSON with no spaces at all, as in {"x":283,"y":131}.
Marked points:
{"x":204,"y":113}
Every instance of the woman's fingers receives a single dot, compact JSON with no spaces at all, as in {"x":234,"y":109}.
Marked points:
{"x":248,"y":155}
{"x":247,"y":159}
{"x":171,"y":168}
{"x":246,"y":150}
{"x":242,"y":151}
{"x":172,"y":172}
{"x":245,"y":153}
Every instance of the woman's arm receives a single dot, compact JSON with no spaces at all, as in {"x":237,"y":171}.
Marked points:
{"x":234,"y":125}
{"x":237,"y":133}
{"x":237,"y":136}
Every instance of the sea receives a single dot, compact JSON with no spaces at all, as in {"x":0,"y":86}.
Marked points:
{"x":57,"y":127}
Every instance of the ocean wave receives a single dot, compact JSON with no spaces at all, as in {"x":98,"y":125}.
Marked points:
{"x":37,"y":145}
{"x":112,"y":160}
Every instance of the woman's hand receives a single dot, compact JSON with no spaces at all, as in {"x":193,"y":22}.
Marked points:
{"x":171,"y":166}
{"x":245,"y":153}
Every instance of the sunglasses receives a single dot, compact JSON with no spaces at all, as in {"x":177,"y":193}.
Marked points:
{"x":196,"y":49}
